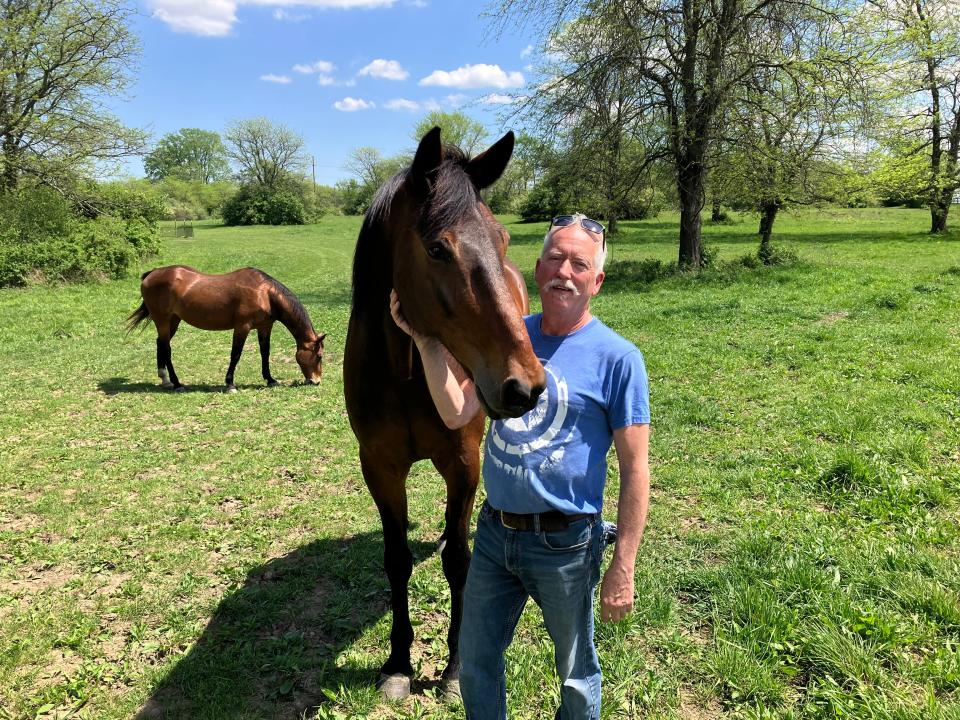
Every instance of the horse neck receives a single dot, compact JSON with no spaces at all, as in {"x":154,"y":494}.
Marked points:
{"x":293,"y":316}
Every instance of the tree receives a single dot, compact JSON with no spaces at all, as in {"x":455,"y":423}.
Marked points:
{"x":372,"y":170}
{"x":59,"y":61}
{"x":266,"y":152}
{"x":456,"y":128}
{"x":595,"y":119}
{"x":789,"y":125}
{"x":922,"y":38}
{"x":189,"y":154}
{"x":686,"y":59}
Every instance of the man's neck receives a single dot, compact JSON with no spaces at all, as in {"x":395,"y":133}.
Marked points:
{"x":564,"y":326}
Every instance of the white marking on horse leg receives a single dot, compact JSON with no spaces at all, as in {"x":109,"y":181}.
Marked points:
{"x":164,"y":378}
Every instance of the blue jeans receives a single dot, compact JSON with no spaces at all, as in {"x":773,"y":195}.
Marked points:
{"x":560,"y":571}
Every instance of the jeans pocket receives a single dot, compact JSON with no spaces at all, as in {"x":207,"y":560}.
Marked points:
{"x":574,"y":537}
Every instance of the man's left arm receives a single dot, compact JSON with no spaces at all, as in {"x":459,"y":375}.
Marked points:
{"x":616,"y":590}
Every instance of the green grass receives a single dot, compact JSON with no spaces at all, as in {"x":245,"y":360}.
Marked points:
{"x":203,"y":555}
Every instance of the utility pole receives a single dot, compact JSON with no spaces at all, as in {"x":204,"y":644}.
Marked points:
{"x":313,"y":171}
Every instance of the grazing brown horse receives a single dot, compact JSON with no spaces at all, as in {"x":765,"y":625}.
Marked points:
{"x":242,"y":300}
{"x":429,"y":235}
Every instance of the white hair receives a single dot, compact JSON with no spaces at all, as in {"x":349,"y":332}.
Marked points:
{"x":601,"y":254}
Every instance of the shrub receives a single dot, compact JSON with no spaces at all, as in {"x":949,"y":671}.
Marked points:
{"x":259,"y":205}
{"x":42,"y":238}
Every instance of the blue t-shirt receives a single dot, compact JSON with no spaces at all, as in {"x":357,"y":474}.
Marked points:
{"x":555,"y":456}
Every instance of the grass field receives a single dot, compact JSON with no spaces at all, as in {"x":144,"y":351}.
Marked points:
{"x":204,"y":555}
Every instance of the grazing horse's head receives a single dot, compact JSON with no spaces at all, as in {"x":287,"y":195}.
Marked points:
{"x":310,"y":359}
{"x":448,"y":254}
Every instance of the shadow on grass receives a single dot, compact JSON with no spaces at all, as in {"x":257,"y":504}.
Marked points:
{"x":270,"y":649}
{"x":117,"y":385}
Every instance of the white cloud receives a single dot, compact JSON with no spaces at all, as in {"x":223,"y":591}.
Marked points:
{"x":210,"y":17}
{"x":320,"y":66}
{"x":325,"y":80}
{"x":281,"y":79}
{"x":217,"y":17}
{"x":455,"y":100}
{"x":349,"y":104}
{"x":474,"y":76}
{"x":386,"y":69}
{"x":526,"y":52}
{"x":497,"y":99}
{"x":402,"y":104}
{"x":284,"y":15}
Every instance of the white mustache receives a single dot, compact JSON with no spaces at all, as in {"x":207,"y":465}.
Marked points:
{"x":564,"y":285}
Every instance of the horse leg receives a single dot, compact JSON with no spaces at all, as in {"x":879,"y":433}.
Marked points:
{"x":166,"y":327}
{"x":239,"y":338}
{"x":461,"y":479}
{"x":387,"y":485}
{"x":174,"y":380}
{"x":263,"y":337}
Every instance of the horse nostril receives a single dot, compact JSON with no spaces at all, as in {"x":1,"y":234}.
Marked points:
{"x":518,"y":397}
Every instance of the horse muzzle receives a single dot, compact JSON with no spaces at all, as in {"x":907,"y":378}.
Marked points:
{"x":516,"y":398}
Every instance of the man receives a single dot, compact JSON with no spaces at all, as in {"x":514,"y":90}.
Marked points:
{"x":539,"y":533}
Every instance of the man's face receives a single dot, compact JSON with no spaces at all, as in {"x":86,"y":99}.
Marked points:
{"x":566,"y":273}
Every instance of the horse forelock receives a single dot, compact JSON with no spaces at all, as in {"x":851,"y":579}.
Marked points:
{"x":452,"y":196}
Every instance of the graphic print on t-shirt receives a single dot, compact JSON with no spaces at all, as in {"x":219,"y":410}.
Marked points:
{"x":549,"y":424}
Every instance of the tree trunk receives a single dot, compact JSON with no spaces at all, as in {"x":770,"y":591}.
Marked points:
{"x":939,"y":210}
{"x":10,"y":172}
{"x":690,"y":182}
{"x":716,"y":214}
{"x":768,"y":214}
{"x":612,"y":224}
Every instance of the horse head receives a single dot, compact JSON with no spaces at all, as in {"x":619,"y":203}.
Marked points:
{"x":310,"y":359}
{"x":448,"y":260}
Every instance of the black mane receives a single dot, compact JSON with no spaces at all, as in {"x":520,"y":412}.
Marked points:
{"x":452,"y":195}
{"x":292,"y":313}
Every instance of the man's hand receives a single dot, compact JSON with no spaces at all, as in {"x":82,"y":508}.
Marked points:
{"x":616,"y":594}
{"x":398,"y":317}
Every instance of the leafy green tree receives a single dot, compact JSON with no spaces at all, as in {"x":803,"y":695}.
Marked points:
{"x":59,"y":62}
{"x":456,"y":128}
{"x":266,"y":152}
{"x":371,"y":170}
{"x":921,"y":41}
{"x":189,"y":154}
{"x":682,"y":61}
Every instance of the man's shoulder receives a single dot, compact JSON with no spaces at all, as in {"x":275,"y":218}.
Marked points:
{"x":614,"y":343}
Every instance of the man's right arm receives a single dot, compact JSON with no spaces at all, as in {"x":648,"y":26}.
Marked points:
{"x":451,"y":389}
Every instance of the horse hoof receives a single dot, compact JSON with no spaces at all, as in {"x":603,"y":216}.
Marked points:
{"x":394,"y":687}
{"x":273,"y":383}
{"x":451,"y":691}
{"x":231,"y":390}
{"x":180,"y":388}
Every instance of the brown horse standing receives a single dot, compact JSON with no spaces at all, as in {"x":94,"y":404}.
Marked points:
{"x":242,"y":300}
{"x":429,"y":235}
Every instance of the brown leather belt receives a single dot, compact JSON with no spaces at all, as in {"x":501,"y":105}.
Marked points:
{"x":549,"y":521}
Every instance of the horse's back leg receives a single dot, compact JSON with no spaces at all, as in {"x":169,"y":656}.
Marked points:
{"x":387,"y":484}
{"x":461,"y":479}
{"x":239,"y":338}
{"x":166,"y":327}
{"x":263,"y":337}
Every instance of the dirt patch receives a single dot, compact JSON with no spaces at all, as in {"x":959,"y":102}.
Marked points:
{"x":694,"y":706}
{"x":831,"y":318}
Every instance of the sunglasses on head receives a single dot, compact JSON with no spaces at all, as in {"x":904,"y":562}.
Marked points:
{"x":586,"y":223}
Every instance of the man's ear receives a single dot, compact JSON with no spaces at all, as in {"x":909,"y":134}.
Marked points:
{"x":489,"y":165}
{"x":599,"y":281}
{"x":426,"y":161}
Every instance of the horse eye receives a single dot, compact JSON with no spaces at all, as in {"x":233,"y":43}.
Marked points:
{"x":438,"y":252}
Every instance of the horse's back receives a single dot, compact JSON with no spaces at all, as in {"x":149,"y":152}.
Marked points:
{"x":209,"y":302}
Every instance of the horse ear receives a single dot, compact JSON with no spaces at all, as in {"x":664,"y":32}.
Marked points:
{"x":489,"y":165}
{"x":319,"y":344}
{"x":427,"y":159}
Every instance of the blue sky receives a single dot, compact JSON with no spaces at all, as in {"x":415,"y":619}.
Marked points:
{"x":341,"y":73}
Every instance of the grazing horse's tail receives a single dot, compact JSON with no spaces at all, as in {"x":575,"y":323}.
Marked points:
{"x":141,"y":313}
